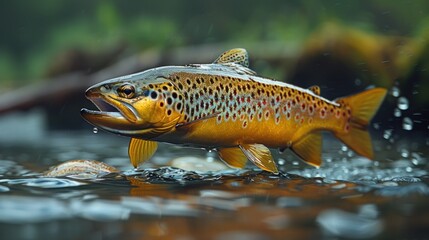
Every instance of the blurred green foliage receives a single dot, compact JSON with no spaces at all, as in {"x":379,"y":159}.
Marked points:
{"x":34,"y":32}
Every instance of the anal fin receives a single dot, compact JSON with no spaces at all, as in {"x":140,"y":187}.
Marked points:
{"x":233,"y":157}
{"x":140,"y":150}
{"x":260,"y":155}
{"x":309,"y":148}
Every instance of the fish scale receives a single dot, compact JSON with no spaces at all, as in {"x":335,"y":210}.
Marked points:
{"x":227,"y":107}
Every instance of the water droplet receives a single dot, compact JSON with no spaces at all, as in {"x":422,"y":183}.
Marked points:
{"x":281,"y":162}
{"x":407,"y":124}
{"x":405,"y":153}
{"x":417,"y":159}
{"x":409,"y":169}
{"x":395,"y":91}
{"x":397,"y":112}
{"x":358,"y":82}
{"x":403,"y":103}
{"x":295,"y":163}
{"x":387,"y":133}
{"x":344,"y":148}
{"x":95,"y":130}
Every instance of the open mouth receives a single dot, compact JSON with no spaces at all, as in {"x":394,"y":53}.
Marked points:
{"x":112,"y":114}
{"x":105,"y":108}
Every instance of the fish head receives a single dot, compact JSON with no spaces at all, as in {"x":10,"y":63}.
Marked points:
{"x":142,"y":106}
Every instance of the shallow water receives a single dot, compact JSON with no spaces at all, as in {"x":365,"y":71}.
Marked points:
{"x":348,"y":197}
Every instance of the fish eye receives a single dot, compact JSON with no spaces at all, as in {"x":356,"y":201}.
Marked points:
{"x":126,"y":91}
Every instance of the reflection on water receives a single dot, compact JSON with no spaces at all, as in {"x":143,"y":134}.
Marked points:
{"x":348,"y":196}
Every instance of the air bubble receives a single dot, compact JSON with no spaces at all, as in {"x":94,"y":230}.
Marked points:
{"x":407,"y":124}
{"x":95,"y":130}
{"x":403,"y":103}
{"x":344,"y":148}
{"x":281,"y":162}
{"x":395,"y":91}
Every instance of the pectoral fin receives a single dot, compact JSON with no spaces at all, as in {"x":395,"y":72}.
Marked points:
{"x":140,"y":150}
{"x":260,"y":156}
{"x":309,"y":148}
{"x":233,"y":157}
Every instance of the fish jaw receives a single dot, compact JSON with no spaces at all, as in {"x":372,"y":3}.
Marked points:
{"x":112,"y":115}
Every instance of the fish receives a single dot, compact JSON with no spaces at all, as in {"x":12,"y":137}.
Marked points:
{"x":227,"y":107}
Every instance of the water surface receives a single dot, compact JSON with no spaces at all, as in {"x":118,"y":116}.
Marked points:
{"x":348,"y":197}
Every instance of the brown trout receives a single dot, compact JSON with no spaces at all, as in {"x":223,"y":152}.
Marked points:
{"x":227,"y":107}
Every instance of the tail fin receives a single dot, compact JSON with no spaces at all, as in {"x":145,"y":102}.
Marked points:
{"x":363,"y":107}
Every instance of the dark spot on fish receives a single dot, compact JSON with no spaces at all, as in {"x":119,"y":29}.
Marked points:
{"x":153,"y":95}
{"x":169,"y":101}
{"x":169,"y":112}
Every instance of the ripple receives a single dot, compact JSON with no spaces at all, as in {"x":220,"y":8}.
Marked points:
{"x":100,"y":210}
{"x":18,"y":209}
{"x":344,"y":224}
{"x":4,"y":189}
{"x":400,"y":191}
{"x":170,"y":174}
{"x":45,"y":182}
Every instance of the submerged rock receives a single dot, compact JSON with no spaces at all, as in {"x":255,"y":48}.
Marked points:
{"x":197,"y":164}
{"x":80,"y":168}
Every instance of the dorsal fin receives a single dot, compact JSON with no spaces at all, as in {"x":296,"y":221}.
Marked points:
{"x":315,"y":89}
{"x":235,"y":55}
